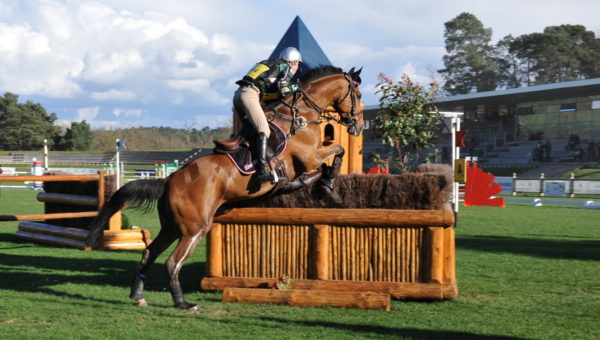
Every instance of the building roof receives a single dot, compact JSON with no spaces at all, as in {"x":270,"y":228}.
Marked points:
{"x":524,"y":93}
{"x":298,"y":36}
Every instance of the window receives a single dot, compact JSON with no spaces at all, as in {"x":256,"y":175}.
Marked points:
{"x":329,"y":135}
{"x":566,"y":107}
{"x":527,"y":110}
{"x":595,"y":104}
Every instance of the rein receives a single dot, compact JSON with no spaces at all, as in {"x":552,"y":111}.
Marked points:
{"x":299,"y":122}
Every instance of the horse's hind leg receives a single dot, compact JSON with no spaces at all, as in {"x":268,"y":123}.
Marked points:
{"x":185,"y":248}
{"x":164,"y":239}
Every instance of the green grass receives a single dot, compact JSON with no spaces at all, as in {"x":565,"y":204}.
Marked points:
{"x":583,"y":173}
{"x":523,"y":273}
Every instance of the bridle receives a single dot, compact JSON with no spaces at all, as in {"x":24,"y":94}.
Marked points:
{"x":325,"y":114}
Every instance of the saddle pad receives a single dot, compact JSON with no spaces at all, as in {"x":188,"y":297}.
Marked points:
{"x":243,"y":159}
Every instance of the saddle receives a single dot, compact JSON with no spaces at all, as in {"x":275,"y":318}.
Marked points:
{"x":240,"y":148}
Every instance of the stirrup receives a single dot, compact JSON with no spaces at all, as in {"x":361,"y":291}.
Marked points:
{"x":264,"y":175}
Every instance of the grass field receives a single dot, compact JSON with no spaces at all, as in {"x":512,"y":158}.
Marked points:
{"x":523,"y":273}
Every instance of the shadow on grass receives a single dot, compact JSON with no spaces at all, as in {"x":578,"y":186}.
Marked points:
{"x":561,"y":249}
{"x":412,"y":333}
{"x":29,"y":273}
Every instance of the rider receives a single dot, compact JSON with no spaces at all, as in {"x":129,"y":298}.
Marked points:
{"x":265,"y":81}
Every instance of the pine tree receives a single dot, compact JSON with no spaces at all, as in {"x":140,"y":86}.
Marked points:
{"x":24,"y":126}
{"x":469,"y":62}
{"x":560,"y":53}
{"x":80,"y":136}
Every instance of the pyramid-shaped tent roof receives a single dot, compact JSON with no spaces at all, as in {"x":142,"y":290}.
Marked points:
{"x":299,"y":36}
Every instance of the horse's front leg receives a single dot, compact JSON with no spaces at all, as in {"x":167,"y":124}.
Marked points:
{"x":325,"y":153}
{"x":321,"y":156}
{"x":330,"y":172}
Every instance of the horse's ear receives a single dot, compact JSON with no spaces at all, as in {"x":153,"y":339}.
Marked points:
{"x":351,"y":71}
{"x":355,"y":75}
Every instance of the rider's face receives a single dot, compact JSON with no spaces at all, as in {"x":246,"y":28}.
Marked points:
{"x":294,"y":65}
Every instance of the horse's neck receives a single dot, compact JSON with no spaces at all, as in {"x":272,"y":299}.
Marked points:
{"x":315,"y":93}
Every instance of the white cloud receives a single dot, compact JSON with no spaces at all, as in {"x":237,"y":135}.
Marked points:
{"x":111,"y":68}
{"x":127,"y":112}
{"x":213,"y":120}
{"x":87,"y":113}
{"x":28,"y":65}
{"x":113,"y":94}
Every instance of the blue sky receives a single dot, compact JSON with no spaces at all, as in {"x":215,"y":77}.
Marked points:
{"x":174,"y":63}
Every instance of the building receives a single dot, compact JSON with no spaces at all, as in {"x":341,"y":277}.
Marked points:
{"x":555,"y":111}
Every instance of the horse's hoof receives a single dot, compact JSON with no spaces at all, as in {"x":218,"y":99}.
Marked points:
{"x":187,"y":306}
{"x":142,"y":303}
{"x":327,"y":185}
{"x":326,"y":189}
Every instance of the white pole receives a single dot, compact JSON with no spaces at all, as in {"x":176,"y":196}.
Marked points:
{"x":118,"y":167}
{"x":456,"y":127}
{"x":455,"y":118}
{"x":45,"y":154}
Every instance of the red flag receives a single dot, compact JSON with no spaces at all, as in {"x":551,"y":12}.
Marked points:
{"x":460,"y":138}
{"x":480,"y":187}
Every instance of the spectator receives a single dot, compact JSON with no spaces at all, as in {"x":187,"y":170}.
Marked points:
{"x":572,"y":142}
{"x":547,"y":150}
{"x":578,"y":153}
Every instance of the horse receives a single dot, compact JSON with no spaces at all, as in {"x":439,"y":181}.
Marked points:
{"x":189,"y":198}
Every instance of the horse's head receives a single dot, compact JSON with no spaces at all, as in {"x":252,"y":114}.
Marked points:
{"x":349,"y":105}
{"x":329,"y":86}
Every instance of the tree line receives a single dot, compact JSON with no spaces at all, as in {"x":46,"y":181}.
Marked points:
{"x":473,"y":64}
{"x":24,"y":126}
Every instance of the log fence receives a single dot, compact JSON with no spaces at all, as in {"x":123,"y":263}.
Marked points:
{"x":408,"y":254}
{"x":43,"y":232}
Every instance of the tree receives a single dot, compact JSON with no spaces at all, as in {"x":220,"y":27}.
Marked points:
{"x":408,"y":119}
{"x":469,"y":62}
{"x":24,"y":126}
{"x":560,"y":53}
{"x":509,"y":68}
{"x":78,"y":137}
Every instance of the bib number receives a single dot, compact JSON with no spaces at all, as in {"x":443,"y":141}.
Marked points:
{"x":257,"y":70}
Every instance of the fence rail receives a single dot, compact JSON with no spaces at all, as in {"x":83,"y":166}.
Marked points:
{"x":554,"y":187}
{"x":56,"y":178}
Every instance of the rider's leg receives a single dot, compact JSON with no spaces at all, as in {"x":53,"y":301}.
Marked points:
{"x":262,"y":171}
{"x":249,"y":98}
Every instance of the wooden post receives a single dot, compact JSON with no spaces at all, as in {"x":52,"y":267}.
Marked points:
{"x":215,"y":251}
{"x":355,"y":155}
{"x":100,"y":189}
{"x":436,"y":249}
{"x":449,"y":261}
{"x":321,"y":251}
{"x":115,"y":222}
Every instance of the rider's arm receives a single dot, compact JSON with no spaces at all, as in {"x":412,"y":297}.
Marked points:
{"x":286,"y":87}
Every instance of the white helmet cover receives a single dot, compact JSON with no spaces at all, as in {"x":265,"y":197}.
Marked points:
{"x":290,"y":54}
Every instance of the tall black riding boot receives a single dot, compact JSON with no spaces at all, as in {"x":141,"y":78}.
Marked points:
{"x":263,"y":172}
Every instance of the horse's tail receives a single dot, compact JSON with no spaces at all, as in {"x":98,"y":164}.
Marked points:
{"x":141,"y":193}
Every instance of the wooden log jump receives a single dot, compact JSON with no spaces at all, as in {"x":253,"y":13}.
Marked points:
{"x":66,"y":206}
{"x":408,"y":254}
{"x":387,"y":235}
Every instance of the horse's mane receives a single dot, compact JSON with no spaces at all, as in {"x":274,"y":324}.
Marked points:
{"x":318,"y":72}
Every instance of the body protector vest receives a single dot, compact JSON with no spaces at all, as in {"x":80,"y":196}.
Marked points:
{"x":271,"y":77}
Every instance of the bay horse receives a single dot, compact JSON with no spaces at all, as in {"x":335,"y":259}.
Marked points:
{"x":188,"y":199}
